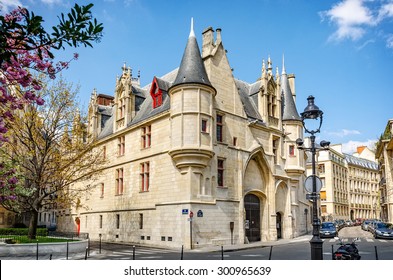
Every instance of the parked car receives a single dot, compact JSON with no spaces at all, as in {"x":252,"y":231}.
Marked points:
{"x":348,"y":223}
{"x":371,"y":225}
{"x":328,"y":229}
{"x":339,"y":224}
{"x":365,"y":224}
{"x":383,"y":230}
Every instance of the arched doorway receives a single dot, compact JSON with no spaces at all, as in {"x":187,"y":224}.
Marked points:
{"x":252,"y":207}
{"x":278,"y":225}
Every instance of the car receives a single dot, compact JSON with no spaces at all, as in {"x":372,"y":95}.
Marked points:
{"x":348,"y":223}
{"x":383,"y":230}
{"x":371,"y":225}
{"x":328,"y":229}
{"x":365,"y":224}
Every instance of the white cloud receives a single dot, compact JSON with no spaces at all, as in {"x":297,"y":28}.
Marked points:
{"x":385,"y":11}
{"x":344,"y":132}
{"x":51,"y":2}
{"x":8,"y":5}
{"x":355,"y":18}
{"x":389,"y":41}
{"x":351,"y":18}
{"x":351,"y":146}
{"x":362,"y":46}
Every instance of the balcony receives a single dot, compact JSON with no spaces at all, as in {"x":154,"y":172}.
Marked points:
{"x":382,"y":182}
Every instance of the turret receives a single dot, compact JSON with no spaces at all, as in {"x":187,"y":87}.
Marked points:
{"x":191,"y":110}
{"x":292,"y":126}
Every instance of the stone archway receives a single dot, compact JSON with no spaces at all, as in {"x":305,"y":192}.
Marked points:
{"x":252,"y":207}
{"x":283,"y":211}
{"x":279,"y":225}
{"x":257,"y":184}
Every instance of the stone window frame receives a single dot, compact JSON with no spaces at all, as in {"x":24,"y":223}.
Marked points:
{"x":119,"y":181}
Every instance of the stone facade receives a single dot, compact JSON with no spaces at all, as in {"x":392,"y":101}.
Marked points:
{"x":197,"y":141}
{"x":384,"y":155}
{"x":349,"y":184}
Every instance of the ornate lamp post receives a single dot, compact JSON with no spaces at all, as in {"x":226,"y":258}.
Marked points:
{"x":312,"y":112}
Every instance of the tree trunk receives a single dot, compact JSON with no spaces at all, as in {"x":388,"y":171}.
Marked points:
{"x":33,"y":224}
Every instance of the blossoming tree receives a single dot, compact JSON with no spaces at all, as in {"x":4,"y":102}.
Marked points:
{"x":26,"y":49}
{"x":51,"y":151}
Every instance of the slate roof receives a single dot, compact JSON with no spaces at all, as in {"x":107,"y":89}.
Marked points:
{"x":289,"y":111}
{"x":146,"y":110}
{"x":361,"y":162}
{"x":249,"y":97}
{"x":192,"y":70}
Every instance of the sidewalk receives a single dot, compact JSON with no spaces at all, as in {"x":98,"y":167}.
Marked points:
{"x":94,"y":255}
{"x":237,"y":247}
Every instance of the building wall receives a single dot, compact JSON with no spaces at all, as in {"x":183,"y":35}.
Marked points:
{"x":384,"y":156}
{"x":350,"y":184}
{"x":7,"y":218}
{"x":184,"y":171}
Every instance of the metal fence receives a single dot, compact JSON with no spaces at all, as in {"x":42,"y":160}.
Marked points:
{"x":68,"y":238}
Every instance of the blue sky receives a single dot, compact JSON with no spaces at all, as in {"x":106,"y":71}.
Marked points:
{"x":340,"y":51}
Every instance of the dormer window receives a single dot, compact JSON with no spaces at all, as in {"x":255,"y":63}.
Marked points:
{"x":122,"y":108}
{"x":156,"y":94}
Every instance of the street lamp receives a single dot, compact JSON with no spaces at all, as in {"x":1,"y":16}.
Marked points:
{"x":312,"y":112}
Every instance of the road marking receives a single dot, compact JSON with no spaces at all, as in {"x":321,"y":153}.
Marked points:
{"x":370,"y":240}
{"x":252,"y":255}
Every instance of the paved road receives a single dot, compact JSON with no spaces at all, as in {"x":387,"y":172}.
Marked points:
{"x":294,"y":249}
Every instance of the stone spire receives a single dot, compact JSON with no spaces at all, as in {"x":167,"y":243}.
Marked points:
{"x":289,"y":111}
{"x":192,"y":70}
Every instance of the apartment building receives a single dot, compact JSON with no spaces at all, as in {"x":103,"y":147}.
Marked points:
{"x":384,"y":155}
{"x":349,"y":184}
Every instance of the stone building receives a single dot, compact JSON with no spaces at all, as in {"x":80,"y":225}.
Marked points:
{"x":349,"y":184}
{"x":196,"y":142}
{"x":7,"y":218}
{"x":384,"y":155}
{"x":363,"y":179}
{"x":332,"y":170}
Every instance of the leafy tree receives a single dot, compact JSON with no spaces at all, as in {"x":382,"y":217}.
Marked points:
{"x":50,"y":147}
{"x":26,"y":49}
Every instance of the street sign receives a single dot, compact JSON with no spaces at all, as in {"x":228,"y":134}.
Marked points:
{"x":199,"y":214}
{"x":184,"y":211}
{"x":310,"y":196}
{"x":308,"y":184}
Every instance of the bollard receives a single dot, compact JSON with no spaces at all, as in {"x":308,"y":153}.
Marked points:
{"x":133,"y":252}
{"x":270,"y":254}
{"x":87,"y":252}
{"x":67,"y":252}
{"x":332,"y":252}
{"x":100,"y":242}
{"x":50,"y":257}
{"x":376,"y":252}
{"x":37,"y":251}
{"x":222,"y":252}
{"x":181,"y":255}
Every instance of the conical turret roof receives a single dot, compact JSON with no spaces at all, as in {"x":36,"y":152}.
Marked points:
{"x":192,"y":69}
{"x":289,"y":111}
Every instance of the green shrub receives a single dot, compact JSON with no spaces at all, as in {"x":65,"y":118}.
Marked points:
{"x":22,"y":231}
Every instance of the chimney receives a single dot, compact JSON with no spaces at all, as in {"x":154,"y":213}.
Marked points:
{"x":207,"y":41}
{"x":360,"y":149}
{"x":218,"y":36}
